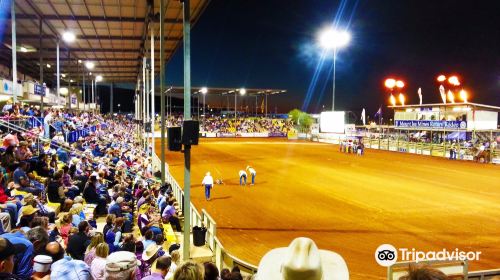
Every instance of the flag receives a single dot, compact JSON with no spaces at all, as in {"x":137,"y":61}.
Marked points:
{"x":420,"y":95}
{"x":443,"y":94}
{"x":262,"y":106}
{"x":379,"y":112}
{"x":363,"y":116}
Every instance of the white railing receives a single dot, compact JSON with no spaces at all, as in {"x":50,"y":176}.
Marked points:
{"x":222,"y":258}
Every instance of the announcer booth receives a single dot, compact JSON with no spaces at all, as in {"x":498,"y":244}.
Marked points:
{"x":466,"y":125}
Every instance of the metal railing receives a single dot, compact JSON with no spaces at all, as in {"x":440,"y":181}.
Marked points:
{"x":222,"y":258}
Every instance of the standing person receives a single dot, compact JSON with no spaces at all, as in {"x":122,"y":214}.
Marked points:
{"x":243,"y":177}
{"x":208,"y":182}
{"x":253,"y":173}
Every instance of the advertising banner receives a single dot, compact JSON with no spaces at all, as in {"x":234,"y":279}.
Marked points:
{"x":226,"y":135}
{"x":276,"y":134}
{"x":431,"y":124}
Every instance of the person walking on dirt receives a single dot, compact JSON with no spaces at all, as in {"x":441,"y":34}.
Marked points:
{"x":208,"y":182}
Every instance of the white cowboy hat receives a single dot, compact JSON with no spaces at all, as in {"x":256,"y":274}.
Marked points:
{"x":302,"y":260}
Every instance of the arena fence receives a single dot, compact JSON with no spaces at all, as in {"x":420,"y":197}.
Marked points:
{"x":222,"y":258}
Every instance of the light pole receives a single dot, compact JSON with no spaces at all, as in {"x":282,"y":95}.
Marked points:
{"x":119,"y":108}
{"x":204,"y":91}
{"x":242,"y":92}
{"x":98,"y":78}
{"x":89,"y":65}
{"x":67,"y":37}
{"x":332,"y":39}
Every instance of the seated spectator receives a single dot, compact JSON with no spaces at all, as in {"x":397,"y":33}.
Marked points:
{"x":39,"y":237}
{"x":65,"y":227}
{"x":301,"y":259}
{"x":191,"y":271}
{"x":91,"y":195}
{"x":64,"y":268}
{"x":7,"y":253}
{"x":110,"y":220}
{"x":77,"y":243}
{"x":211,"y":271}
{"x":90,"y":253}
{"x":77,"y":214}
{"x":128,"y":243}
{"x":98,"y":265}
{"x":225,"y":274}
{"x":41,"y":166}
{"x":423,"y":272}
{"x":148,"y":239}
{"x":118,"y":210}
{"x":161,"y":270}
{"x":146,"y":220}
{"x":170,"y":215}
{"x":23,"y":254}
{"x":113,"y":236}
{"x":121,"y":266}
{"x":28,"y":212}
{"x":56,"y":192}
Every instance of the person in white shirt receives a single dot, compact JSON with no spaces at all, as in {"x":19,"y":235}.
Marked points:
{"x":208,"y":182}
{"x":253,"y":173}
{"x":243,"y":177}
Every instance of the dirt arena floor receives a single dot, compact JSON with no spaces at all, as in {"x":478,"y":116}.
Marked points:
{"x":345,"y":203}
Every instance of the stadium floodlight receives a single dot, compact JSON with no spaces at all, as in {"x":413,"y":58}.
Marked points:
{"x":441,"y":78}
{"x":79,"y":61}
{"x":402,"y":99}
{"x":204,"y":90}
{"x":453,"y":80}
{"x":463,"y":95}
{"x":390,"y":83}
{"x":23,"y":49}
{"x":71,"y":81}
{"x":68,"y":37}
{"x":98,"y":78}
{"x":400,"y":84}
{"x":393,"y":100}
{"x":48,"y":65}
{"x":243,"y":91}
{"x":90,"y":65}
{"x":332,"y":39}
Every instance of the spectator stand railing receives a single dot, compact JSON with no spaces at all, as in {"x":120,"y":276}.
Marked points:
{"x":223,"y":259}
{"x":483,"y":274}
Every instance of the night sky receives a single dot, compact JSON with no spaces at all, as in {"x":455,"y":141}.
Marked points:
{"x":273,"y":44}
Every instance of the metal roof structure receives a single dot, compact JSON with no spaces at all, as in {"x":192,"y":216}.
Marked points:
{"x":114,"y":34}
{"x":224,"y":91}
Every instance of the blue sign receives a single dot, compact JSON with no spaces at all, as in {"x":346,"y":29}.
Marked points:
{"x":40,"y":89}
{"x":431,"y":124}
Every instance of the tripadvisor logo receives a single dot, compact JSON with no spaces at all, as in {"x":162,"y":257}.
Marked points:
{"x":387,"y":255}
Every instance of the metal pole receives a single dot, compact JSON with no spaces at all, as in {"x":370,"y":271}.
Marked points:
{"x":204,"y":105}
{"x":92,"y":93}
{"x":68,"y":97}
{"x":162,"y":88}
{"x":235,"y":107}
{"x":152,"y":91}
{"x":187,"y":116}
{"x":14,"y":50}
{"x":143,"y":91}
{"x":334,"y":66}
{"x":111,"y":99}
{"x":58,"y":72}
{"x":40,"y":52}
{"x":83,"y":82}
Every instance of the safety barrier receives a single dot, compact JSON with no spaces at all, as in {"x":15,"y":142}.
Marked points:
{"x":223,"y":259}
{"x":422,"y":148}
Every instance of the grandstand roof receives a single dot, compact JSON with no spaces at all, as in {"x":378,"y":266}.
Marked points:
{"x":224,"y":91}
{"x":110,"y":33}
{"x":468,"y":104}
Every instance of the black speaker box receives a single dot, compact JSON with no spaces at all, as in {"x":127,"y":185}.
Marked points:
{"x":174,"y":138}
{"x":190,"y":132}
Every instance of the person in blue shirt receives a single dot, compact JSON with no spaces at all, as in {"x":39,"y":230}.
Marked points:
{"x":62,"y":154}
{"x":23,"y":267}
{"x":20,"y":172}
{"x":117,"y":209}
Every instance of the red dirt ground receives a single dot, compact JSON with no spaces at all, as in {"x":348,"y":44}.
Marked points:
{"x":346,"y":203}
